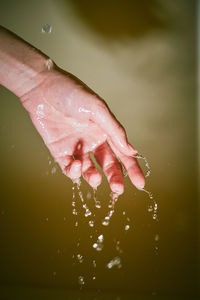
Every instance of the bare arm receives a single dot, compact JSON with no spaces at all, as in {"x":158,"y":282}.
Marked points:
{"x":72,"y":120}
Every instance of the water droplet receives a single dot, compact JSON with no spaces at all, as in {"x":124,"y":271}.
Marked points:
{"x":76,"y":224}
{"x":99,"y":244}
{"x":80,"y":258}
{"x":74,"y":211}
{"x":105,"y":223}
{"x":116,"y":261}
{"x":118,"y":247}
{"x":127,"y":227}
{"x":91,"y":223}
{"x":156,"y":237}
{"x":94,"y":277}
{"x":155,"y":216}
{"x":95,"y":245}
{"x":100,"y":238}
{"x":87,"y":213}
{"x":81,"y":280}
{"x":97,"y":204}
{"x":150,"y":208}
{"x":124,"y":213}
{"x":46,"y":28}
{"x":94,"y":263}
{"x":146,"y":164}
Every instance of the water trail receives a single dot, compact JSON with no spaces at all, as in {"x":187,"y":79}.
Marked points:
{"x":74,"y":210}
{"x":153,"y":206}
{"x":111,"y":206}
{"x":96,"y":201}
{"x":84,"y":205}
{"x":139,"y":156}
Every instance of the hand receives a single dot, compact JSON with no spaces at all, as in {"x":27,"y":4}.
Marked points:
{"x":73,"y":121}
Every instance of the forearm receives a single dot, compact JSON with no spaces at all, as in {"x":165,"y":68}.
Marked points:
{"x":21,"y":66}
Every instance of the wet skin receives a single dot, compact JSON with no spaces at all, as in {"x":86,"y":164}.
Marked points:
{"x":73,"y":121}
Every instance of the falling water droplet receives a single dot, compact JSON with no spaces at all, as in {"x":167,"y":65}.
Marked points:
{"x":139,"y":156}
{"x":150,"y":208}
{"x":46,"y":28}
{"x":91,"y":223}
{"x":99,"y":243}
{"x":80,"y":258}
{"x":94,"y":263}
{"x":81,"y":280}
{"x":116,"y":261}
{"x":127,"y":227}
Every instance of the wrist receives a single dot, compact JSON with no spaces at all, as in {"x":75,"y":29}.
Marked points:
{"x":22,"y":67}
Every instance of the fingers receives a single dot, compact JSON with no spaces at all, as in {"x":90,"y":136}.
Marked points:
{"x":132,"y":167}
{"x":82,"y":165}
{"x":89,"y":172}
{"x":70,"y":167}
{"x":133,"y":170}
{"x":112,"y":128}
{"x":107,"y":160}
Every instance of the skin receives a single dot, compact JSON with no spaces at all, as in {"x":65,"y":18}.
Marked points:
{"x":72,"y":120}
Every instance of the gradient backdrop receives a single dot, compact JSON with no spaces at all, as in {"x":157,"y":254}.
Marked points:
{"x":140,"y":56}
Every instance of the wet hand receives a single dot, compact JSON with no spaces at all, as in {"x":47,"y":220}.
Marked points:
{"x":73,"y":122}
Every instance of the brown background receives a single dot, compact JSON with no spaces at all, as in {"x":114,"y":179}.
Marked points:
{"x":140,"y":56}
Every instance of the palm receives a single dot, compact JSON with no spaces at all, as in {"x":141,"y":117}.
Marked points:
{"x":74,"y":122}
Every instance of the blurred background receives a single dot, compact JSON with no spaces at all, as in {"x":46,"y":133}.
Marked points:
{"x":141,"y":57}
